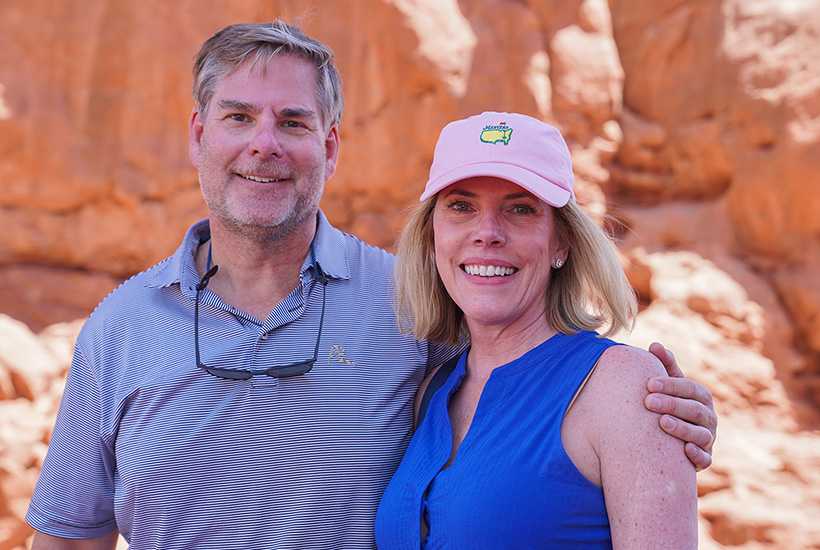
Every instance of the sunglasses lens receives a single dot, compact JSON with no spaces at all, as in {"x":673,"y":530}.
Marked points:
{"x":290,"y":370}
{"x":227,"y":373}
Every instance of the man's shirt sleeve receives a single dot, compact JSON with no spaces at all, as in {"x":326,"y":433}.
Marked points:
{"x":74,"y":495}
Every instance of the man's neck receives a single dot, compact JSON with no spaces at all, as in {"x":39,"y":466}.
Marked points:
{"x":255,"y":274}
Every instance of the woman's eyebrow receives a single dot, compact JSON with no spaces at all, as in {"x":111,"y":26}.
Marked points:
{"x":512,"y":196}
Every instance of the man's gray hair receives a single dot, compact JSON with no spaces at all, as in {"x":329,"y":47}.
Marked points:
{"x":229,"y":48}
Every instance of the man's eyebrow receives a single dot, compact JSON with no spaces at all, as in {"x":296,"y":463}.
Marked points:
{"x":302,"y":113}
{"x":235,"y":105}
{"x":297,"y":112}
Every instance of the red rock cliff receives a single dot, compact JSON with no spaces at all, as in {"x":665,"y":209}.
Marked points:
{"x":695,"y":124}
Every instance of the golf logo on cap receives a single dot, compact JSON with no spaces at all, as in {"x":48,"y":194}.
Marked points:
{"x":494,"y":134}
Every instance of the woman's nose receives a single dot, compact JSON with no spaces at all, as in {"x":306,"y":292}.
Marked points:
{"x":489,"y":230}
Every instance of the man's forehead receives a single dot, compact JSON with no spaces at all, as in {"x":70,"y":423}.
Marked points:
{"x":260,"y":64}
{"x":281,"y":71}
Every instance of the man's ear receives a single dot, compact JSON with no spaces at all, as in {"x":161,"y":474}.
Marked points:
{"x":195,"y":129}
{"x":331,"y":151}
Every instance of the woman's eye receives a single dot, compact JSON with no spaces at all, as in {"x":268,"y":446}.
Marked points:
{"x":523,"y":209}
{"x":459,"y":206}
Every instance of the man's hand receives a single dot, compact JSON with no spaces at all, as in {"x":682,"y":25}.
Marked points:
{"x":686,"y":409}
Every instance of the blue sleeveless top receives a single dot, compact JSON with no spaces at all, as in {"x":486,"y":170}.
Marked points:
{"x":511,"y":484}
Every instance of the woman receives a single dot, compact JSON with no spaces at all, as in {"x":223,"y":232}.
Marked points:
{"x":538,"y":438}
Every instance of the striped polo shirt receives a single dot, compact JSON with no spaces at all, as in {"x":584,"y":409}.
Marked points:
{"x":174,"y":458}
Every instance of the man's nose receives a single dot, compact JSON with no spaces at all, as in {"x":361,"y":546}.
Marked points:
{"x":265,"y":141}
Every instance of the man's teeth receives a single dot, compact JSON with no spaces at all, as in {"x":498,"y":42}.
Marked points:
{"x":260,"y":180}
{"x":489,"y":270}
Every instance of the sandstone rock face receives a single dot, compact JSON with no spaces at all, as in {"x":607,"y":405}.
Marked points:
{"x":694,"y":124}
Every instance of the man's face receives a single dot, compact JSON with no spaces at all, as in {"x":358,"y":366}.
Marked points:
{"x":262,"y":150}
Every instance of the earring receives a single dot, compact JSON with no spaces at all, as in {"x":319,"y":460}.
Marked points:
{"x":558,"y":263}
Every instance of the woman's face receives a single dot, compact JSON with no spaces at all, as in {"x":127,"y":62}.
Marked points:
{"x":495,"y":247}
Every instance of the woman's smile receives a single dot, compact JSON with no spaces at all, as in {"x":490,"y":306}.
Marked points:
{"x":495,"y":244}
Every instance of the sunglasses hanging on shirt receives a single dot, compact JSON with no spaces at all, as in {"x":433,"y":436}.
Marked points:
{"x":278,"y":371}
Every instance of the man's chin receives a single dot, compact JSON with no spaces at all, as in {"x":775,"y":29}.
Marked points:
{"x":265,"y":227}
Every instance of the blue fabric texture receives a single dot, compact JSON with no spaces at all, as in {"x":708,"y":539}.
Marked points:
{"x":147,"y":443}
{"x":511,"y":485}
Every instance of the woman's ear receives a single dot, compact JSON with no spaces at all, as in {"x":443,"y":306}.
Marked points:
{"x":561,"y":254}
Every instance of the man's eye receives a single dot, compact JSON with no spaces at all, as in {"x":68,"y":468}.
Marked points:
{"x":238,"y":117}
{"x":294,"y":124}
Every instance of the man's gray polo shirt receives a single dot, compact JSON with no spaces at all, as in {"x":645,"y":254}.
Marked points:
{"x":183,"y":459}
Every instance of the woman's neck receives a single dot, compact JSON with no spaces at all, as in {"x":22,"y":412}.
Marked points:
{"x":493,"y":346}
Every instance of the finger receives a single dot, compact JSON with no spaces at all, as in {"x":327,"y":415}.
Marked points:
{"x":696,"y":434}
{"x":697,"y":456}
{"x":683,"y":388}
{"x":667,"y":358}
{"x":686,"y":410}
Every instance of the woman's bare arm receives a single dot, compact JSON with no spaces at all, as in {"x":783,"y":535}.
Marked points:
{"x":648,"y":482}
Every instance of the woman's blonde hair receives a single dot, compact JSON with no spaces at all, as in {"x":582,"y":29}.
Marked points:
{"x":589,"y":292}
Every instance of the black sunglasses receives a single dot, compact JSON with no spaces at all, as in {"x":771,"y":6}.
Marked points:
{"x":279,"y":371}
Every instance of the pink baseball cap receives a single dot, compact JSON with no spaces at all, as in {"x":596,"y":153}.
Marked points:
{"x":514,"y":147}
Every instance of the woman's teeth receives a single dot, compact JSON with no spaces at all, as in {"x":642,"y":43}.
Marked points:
{"x":488,"y":270}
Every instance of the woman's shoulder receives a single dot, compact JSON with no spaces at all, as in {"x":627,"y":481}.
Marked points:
{"x":628,"y":362}
{"x":618,"y":383}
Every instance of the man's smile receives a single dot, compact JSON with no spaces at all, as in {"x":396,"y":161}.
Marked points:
{"x":259,"y":179}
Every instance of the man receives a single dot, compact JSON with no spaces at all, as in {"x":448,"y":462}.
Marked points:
{"x":266,"y":403}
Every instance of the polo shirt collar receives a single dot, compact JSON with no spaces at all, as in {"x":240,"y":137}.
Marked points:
{"x":330,"y":246}
{"x":331,"y":250}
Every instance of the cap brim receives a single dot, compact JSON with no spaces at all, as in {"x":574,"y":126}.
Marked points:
{"x":545,"y":190}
